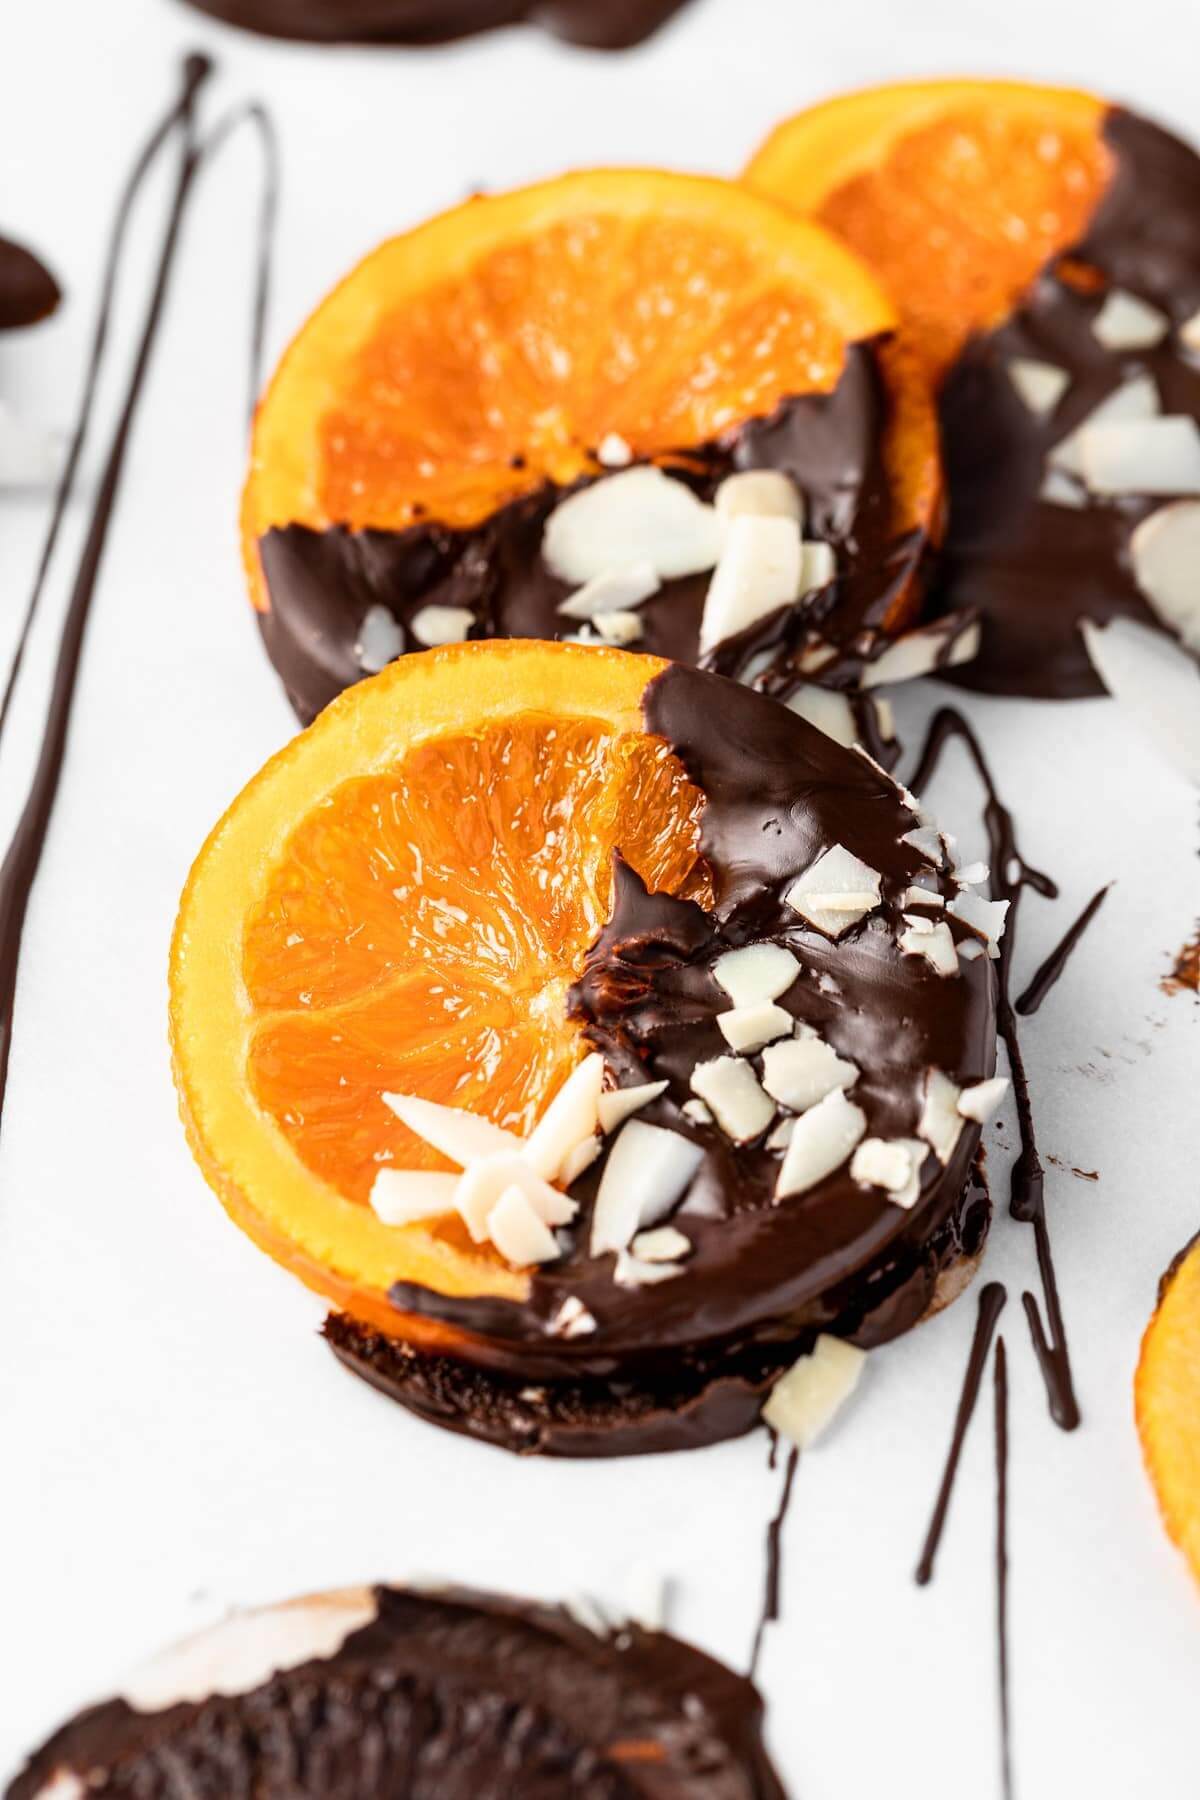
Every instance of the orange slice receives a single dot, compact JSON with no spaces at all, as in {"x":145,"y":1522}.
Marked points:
{"x":955,"y":192}
{"x":493,"y":349}
{"x":399,"y":901}
{"x":1167,"y":1401}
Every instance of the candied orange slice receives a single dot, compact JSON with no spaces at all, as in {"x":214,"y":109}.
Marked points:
{"x":1167,"y":1401}
{"x":495,"y":348}
{"x":955,"y":192}
{"x":399,"y":901}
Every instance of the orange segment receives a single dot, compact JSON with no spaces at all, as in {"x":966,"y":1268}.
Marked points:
{"x":495,"y":347}
{"x":400,"y":901}
{"x":1167,"y":1403}
{"x":955,"y":192}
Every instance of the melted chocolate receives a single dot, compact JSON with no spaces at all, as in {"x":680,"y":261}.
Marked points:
{"x":597,"y":24}
{"x":773,"y":1571}
{"x":443,"y":1695}
{"x":322,"y":582}
{"x":28,"y":291}
{"x":1033,"y":569}
{"x":1000,"y":1373}
{"x":1049,"y":971}
{"x":992,"y":1298}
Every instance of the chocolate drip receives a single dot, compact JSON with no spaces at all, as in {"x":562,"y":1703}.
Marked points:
{"x":1000,"y":1371}
{"x":1056,"y":962}
{"x":595,"y":24}
{"x":991,"y":1304}
{"x":28,"y":291}
{"x":773,"y":1569}
{"x":1034,"y":569}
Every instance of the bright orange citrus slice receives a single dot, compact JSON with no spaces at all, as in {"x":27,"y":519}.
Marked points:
{"x":1167,"y":1402}
{"x":399,"y":901}
{"x":494,"y":348}
{"x":955,"y":192}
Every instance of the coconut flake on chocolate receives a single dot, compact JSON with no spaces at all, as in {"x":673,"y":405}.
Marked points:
{"x":759,"y":571}
{"x":614,"y":591}
{"x":1040,"y":385}
{"x":928,"y":842}
{"x":980,"y":1101}
{"x":820,"y":566}
{"x":984,"y":916}
{"x":1189,"y":332}
{"x":805,"y":1401}
{"x":481,"y":1186}
{"x":756,"y":974}
{"x":893,"y":1164}
{"x":571,"y":1118}
{"x":662,"y":1244}
{"x":829,"y":711}
{"x":581,"y":1158}
{"x":970,"y":950}
{"x":621,"y":628}
{"x":1134,"y":400}
{"x":647,"y":1171}
{"x":620,"y":1104}
{"x":1142,"y":456}
{"x":1125,"y":322}
{"x":1165,"y":551}
{"x":434,"y":625}
{"x":518,"y":1233}
{"x":406,"y":1196}
{"x":1060,"y":489}
{"x":380,"y":640}
{"x":649,"y":516}
{"x":697,"y":1112}
{"x":747,"y":1028}
{"x":923,"y":896}
{"x":946,"y":644}
{"x":941,"y":1122}
{"x":731,"y":1090}
{"x":64,"y":1784}
{"x":453,"y":1131}
{"x":971,"y":874}
{"x":835,"y":892}
{"x":632,"y":1271}
{"x":613,"y":452}
{"x":924,"y":937}
{"x":572,"y":1319}
{"x":759,"y":493}
{"x":804,"y":1070}
{"x":822,"y":1140}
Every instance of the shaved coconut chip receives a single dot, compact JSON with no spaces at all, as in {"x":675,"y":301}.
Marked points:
{"x":572,"y":1319}
{"x":932,"y":941}
{"x":480,"y":1187}
{"x":820,"y":1143}
{"x":940,"y":1123}
{"x":1165,"y":549}
{"x":64,"y":1784}
{"x":1040,"y":385}
{"x":830,"y":712}
{"x":1060,"y":489}
{"x":893,"y":1164}
{"x":588,"y":1613}
{"x":1145,"y":456}
{"x":697,"y":1112}
{"x":730,"y":1088}
{"x":759,"y":973}
{"x":571,"y":1118}
{"x":1189,"y":332}
{"x":244,"y":1651}
{"x":748,"y":1028}
{"x":984,"y":916}
{"x":647,"y":1171}
{"x":615,"y":591}
{"x":664,"y":1244}
{"x":980,"y":1102}
{"x":970,"y":950}
{"x":924,"y":652}
{"x":926,"y":840}
{"x":461,"y":1135}
{"x":816,"y":656}
{"x":804,"y":1070}
{"x":1155,"y":681}
{"x":761,"y":494}
{"x":631,"y":1271}
{"x":621,"y":1103}
{"x":406,"y":1196}
{"x":920,"y":896}
{"x":614,"y":452}
{"x":971,"y":874}
{"x":781,"y":1137}
{"x":654,"y":518}
{"x":1126,"y":323}
{"x":820,"y":567}
{"x":759,"y":571}
{"x":517,"y":1232}
{"x":380,"y":640}
{"x":30,"y":457}
{"x":435,"y":625}
{"x":620,"y":627}
{"x":581,"y":1158}
{"x":1133,"y":400}
{"x":804,"y":1402}
{"x":835,"y":892}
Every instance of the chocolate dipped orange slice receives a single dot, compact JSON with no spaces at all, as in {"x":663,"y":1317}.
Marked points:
{"x":1043,"y":249}
{"x":1167,"y":1401}
{"x":598,"y":1036}
{"x":539,"y":415}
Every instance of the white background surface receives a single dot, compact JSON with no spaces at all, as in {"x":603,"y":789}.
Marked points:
{"x":174,"y":1438}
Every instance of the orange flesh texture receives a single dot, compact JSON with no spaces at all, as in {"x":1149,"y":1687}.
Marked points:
{"x":955,"y":193}
{"x":1167,"y":1401}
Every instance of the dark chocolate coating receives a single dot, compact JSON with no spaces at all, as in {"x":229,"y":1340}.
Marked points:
{"x":28,"y":291}
{"x":597,"y":24}
{"x":446,"y":1695}
{"x":1033,"y":570}
{"x":321,"y":583}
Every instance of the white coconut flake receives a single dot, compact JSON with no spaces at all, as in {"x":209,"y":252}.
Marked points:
{"x":647,"y":1596}
{"x":1189,"y":332}
{"x":803,"y":1071}
{"x":758,"y":572}
{"x":941,"y":1122}
{"x":759,"y":493}
{"x":922,"y":896}
{"x":481,"y":1186}
{"x":663,"y":1244}
{"x":970,"y":950}
{"x":730,"y":1089}
{"x":652,"y":517}
{"x":580,"y":1159}
{"x":697,"y":1112}
{"x":435,"y":625}
{"x":571,"y":1119}
{"x":820,"y":1143}
{"x":922,"y":937}
{"x":1165,"y":550}
{"x":64,"y":1784}
{"x":1126,"y":322}
{"x":614,"y":591}
{"x":632,"y":1271}
{"x":804,"y":1402}
{"x":893,"y":1164}
{"x":613,"y":452}
{"x":980,"y":1102}
{"x":829,"y":711}
{"x":1133,"y":400}
{"x":1060,"y":489}
{"x":379,"y":642}
{"x":647,"y":1171}
{"x":1144,"y":456}
{"x":1040,"y":385}
{"x":835,"y":892}
{"x":984,"y":916}
{"x":620,"y":1104}
{"x":820,"y":567}
{"x":926,"y":651}
{"x":747,"y":1028}
{"x":927,"y":841}
{"x":756,"y":974}
{"x":781,"y":1137}
{"x":518,"y":1233}
{"x":572,"y":1319}
{"x":458,"y":1134}
{"x":971,"y":874}
{"x":407,"y":1196}
{"x":1156,"y":682}
{"x":620,"y":628}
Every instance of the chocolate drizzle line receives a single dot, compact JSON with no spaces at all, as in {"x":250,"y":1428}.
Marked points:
{"x":1056,"y":962}
{"x":23,"y":858}
{"x":774,"y":1561}
{"x":992,"y":1299}
{"x":1000,"y":1372}
{"x":1010,"y":876}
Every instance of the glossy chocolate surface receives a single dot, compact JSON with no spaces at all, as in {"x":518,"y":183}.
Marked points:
{"x":28,"y":291}
{"x":597,"y":24}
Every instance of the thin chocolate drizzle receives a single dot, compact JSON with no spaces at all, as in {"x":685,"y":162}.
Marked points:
{"x":991,"y":1304}
{"x":1056,"y":962}
{"x":1000,"y":1371}
{"x":774,"y":1559}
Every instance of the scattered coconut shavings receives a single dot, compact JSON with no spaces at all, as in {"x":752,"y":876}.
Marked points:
{"x":924,"y":937}
{"x":758,"y":572}
{"x":747,"y":1028}
{"x":984,"y":916}
{"x":380,"y":640}
{"x":614,"y":591}
{"x":662,"y":1244}
{"x":835,"y":892}
{"x":971,"y":874}
{"x":971,"y":950}
{"x":822,"y":1139}
{"x":1060,"y":489}
{"x":588,"y":1614}
{"x":654,"y":518}
{"x":925,"y":651}
{"x":620,"y":628}
{"x":613,"y":452}
{"x":1040,"y":385}
{"x":927,"y":841}
{"x":1165,"y":551}
{"x":893,"y":1164}
{"x":830,"y":712}
{"x":647,"y":1171}
{"x":1142,"y":456}
{"x":697,"y":1112}
{"x":64,"y":1784}
{"x":820,"y":567}
{"x":571,"y":1119}
{"x":482,"y":1185}
{"x":804,"y":1402}
{"x":804,"y":1070}
{"x":941,"y":1123}
{"x":1189,"y":332}
{"x":759,"y":493}
{"x":580,"y":1159}
{"x":781,"y":1136}
{"x":922,"y":896}
{"x":1125,"y":322}
{"x":1133,"y":400}
{"x":518,"y":1233}
{"x":730,"y":1089}
{"x":620,"y":1104}
{"x":756,"y":974}
{"x":572,"y":1319}
{"x":458,"y":1134}
{"x":435,"y":625}
{"x":632,"y":1271}
{"x":980,"y":1102}
{"x":408,"y":1196}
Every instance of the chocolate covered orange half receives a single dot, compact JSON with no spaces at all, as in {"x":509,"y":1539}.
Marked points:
{"x":1167,"y":1401}
{"x":1043,"y":250}
{"x":598,"y":1035}
{"x":624,"y":406}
